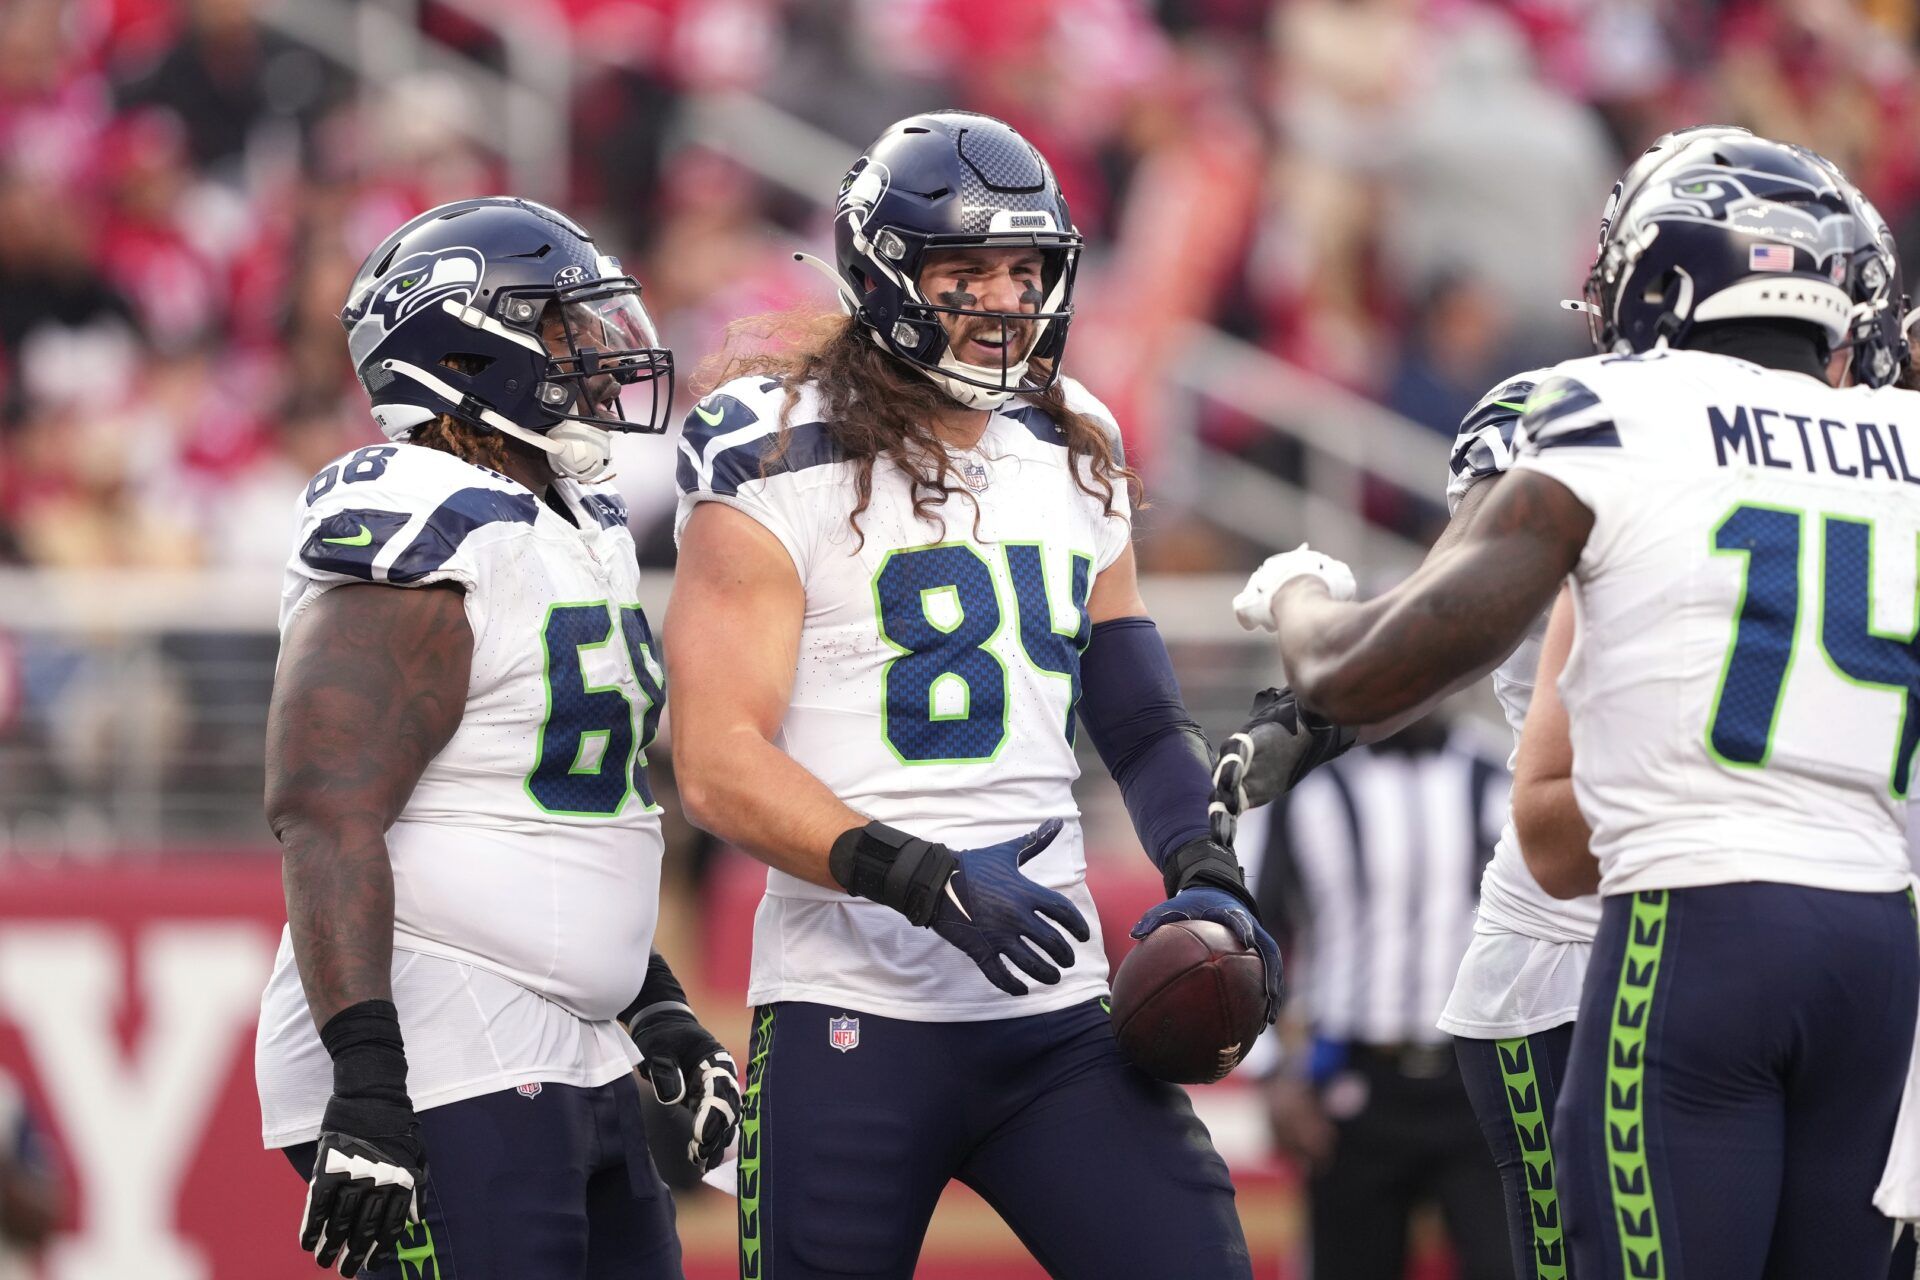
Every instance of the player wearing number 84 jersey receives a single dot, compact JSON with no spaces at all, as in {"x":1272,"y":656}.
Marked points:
{"x":905,"y":587}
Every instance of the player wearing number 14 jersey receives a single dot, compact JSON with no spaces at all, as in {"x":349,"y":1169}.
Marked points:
{"x":1741,"y":538}
{"x":905,"y":585}
{"x":457,"y":774}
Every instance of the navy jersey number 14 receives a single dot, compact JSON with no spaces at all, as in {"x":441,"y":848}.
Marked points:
{"x":1768,"y":621}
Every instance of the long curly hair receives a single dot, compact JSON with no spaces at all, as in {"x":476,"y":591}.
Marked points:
{"x":467,"y":441}
{"x":482,"y":446}
{"x":877,"y":406}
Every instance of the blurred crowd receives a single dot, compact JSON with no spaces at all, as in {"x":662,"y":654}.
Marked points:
{"x":1390,"y":193}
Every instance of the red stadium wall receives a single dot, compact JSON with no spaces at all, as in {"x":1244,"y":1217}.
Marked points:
{"x":128,"y":998}
{"x":127,"y":1004}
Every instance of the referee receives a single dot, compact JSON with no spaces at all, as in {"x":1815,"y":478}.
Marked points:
{"x":1368,"y":873}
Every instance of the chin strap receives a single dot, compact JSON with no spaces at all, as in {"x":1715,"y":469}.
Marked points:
{"x":576,"y":451}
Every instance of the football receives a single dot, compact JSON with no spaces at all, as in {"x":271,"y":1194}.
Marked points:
{"x":1188,"y":1002}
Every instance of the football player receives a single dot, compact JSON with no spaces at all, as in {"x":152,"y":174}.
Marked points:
{"x":1748,"y":1011}
{"x":1514,"y":1000}
{"x":905,"y":573}
{"x":456,"y":771}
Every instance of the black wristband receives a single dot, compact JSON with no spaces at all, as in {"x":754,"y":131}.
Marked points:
{"x":1203,"y":862}
{"x":369,"y":1057}
{"x":888,"y":866}
{"x":660,"y":992}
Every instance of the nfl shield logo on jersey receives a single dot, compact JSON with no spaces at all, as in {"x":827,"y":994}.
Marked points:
{"x":974,"y":472}
{"x":528,"y":1090}
{"x":843,"y":1033}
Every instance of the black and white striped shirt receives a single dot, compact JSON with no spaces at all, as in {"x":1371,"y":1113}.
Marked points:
{"x":1368,"y":875}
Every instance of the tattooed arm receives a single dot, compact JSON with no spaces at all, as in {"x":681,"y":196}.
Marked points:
{"x":371,"y":685}
{"x":1455,"y":619}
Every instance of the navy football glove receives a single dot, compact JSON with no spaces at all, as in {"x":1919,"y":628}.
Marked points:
{"x":990,"y":910}
{"x":1204,"y":902}
{"x":677,"y":1050}
{"x":977,"y":899}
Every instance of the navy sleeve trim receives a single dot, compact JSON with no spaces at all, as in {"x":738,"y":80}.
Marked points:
{"x":447,"y":528}
{"x":808,"y":445}
{"x":1557,"y":399}
{"x":713,"y":417}
{"x":347,"y":542}
{"x":1598,"y":435}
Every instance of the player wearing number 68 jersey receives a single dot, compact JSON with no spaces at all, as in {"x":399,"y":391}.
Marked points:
{"x":1744,"y":703}
{"x":457,"y":773}
{"x":905,"y":586}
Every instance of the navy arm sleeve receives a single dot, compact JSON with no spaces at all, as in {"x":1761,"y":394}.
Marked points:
{"x":1130,"y":705}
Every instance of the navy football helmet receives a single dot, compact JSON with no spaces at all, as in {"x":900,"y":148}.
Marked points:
{"x":1881,"y":352}
{"x":1729,"y":227}
{"x":502,"y":313}
{"x":949,"y":180}
{"x":1658,"y":152}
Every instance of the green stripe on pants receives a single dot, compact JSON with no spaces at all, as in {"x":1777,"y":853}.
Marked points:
{"x":1630,"y":1178}
{"x":749,"y":1173}
{"x":1530,"y":1127}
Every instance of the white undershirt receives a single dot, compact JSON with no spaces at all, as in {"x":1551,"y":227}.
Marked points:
{"x":468,"y":1032}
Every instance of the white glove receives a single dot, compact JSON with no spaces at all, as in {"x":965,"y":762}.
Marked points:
{"x":1254,"y":605}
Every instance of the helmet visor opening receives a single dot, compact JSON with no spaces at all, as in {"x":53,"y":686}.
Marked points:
{"x":989,"y":348}
{"x":603,"y":349}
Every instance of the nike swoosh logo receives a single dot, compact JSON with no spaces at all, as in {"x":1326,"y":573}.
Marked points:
{"x":711,"y":417}
{"x":360,"y":539}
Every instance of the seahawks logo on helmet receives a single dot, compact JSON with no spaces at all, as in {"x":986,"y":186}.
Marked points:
{"x":1760,"y":204}
{"x":422,"y":280}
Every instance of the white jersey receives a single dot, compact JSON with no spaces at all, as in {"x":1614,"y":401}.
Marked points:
{"x":526,"y":863}
{"x":1742,"y":687}
{"x":1523,"y":970}
{"x":937,"y":676}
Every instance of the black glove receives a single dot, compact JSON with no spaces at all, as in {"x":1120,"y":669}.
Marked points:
{"x":1277,"y":746}
{"x":370,"y":1167}
{"x":677,"y":1050}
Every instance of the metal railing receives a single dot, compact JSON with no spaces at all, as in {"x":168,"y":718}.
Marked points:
{"x":139,"y":717}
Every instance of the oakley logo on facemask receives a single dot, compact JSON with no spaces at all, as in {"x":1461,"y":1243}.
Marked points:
{"x":424,"y":279}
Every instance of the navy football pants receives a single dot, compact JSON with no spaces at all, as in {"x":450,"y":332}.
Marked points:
{"x":1514,"y":1085}
{"x":1736,"y":1069}
{"x":556,"y":1186}
{"x":1102,"y":1172}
